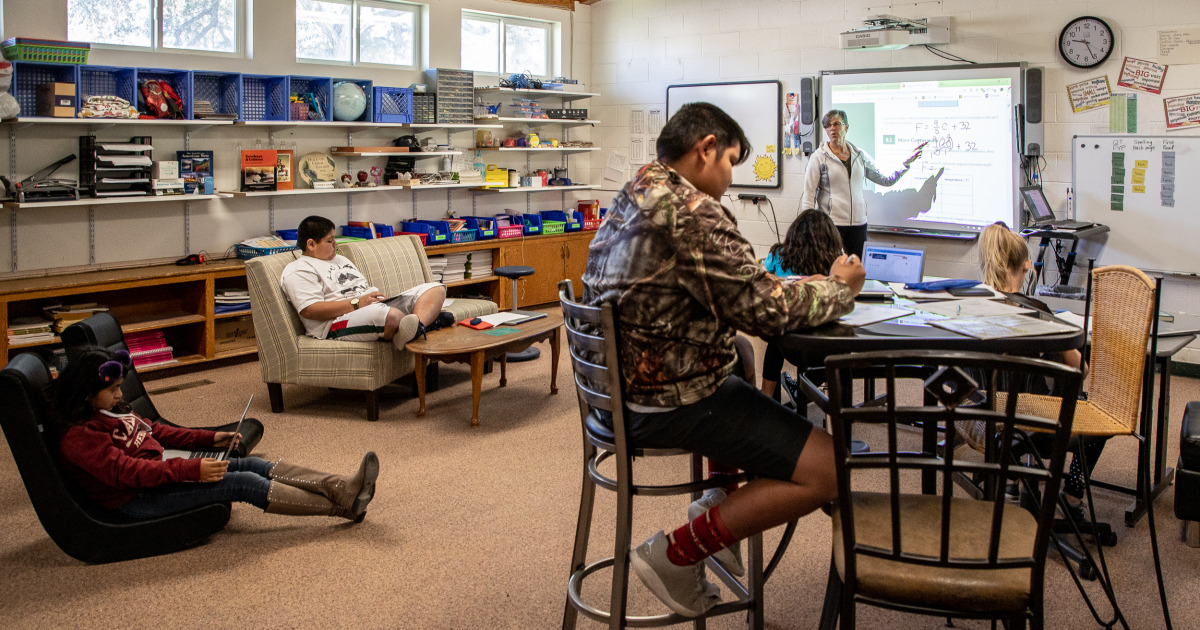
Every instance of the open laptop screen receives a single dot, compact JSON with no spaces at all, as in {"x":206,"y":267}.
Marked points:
{"x":893,"y":264}
{"x":1039,"y":207}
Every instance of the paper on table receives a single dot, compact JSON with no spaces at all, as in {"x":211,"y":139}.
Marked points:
{"x":864,"y":314}
{"x":1001,"y":326}
{"x":972,"y":307}
{"x":1071,"y":318}
{"x":496,"y":319}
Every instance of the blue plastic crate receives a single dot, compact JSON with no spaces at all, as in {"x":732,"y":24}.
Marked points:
{"x":392,"y":105}
{"x":264,"y":97}
{"x":321,"y":88}
{"x":368,"y":91}
{"x":357,"y":232}
{"x":436,"y":230}
{"x":108,"y":81}
{"x":28,"y":75}
{"x":223,"y":90}
{"x":288,"y":235}
{"x":573,"y":219}
{"x":179,"y":80}
{"x":481,"y":234}
{"x":533,"y":223}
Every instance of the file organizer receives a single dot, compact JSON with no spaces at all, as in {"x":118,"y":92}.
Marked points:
{"x":102,"y":174}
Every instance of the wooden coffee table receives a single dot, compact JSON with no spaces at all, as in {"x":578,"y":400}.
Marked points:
{"x":460,"y":344}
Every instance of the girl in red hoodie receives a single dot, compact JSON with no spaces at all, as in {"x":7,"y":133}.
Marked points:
{"x":116,"y":457}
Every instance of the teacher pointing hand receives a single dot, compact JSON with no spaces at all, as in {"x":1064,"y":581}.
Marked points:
{"x":834,"y":178}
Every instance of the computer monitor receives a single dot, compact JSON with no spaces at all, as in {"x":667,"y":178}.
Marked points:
{"x":893,"y":264}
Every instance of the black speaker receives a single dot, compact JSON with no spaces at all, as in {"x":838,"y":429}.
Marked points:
{"x":806,"y":101}
{"x":1033,"y":95}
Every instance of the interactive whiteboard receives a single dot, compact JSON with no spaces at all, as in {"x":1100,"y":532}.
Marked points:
{"x":1146,"y":190}
{"x":757,"y":108}
{"x":968,"y":174}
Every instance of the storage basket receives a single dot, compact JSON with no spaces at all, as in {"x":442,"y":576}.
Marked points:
{"x":392,"y":105}
{"x":509,"y":231}
{"x":591,"y":224}
{"x":322,"y":90}
{"x":571,"y":221}
{"x":179,"y":80}
{"x":424,"y":236}
{"x":357,"y":232}
{"x":462,"y":236}
{"x":298,"y":111}
{"x":45,"y":50}
{"x":533,"y":224}
{"x":28,"y":76}
{"x":246,"y":252}
{"x":553,"y":227}
{"x":221,"y":90}
{"x":264,"y":97}
{"x":435,"y":229}
{"x":108,"y":81}
{"x":287,"y":235}
{"x":480,"y":233}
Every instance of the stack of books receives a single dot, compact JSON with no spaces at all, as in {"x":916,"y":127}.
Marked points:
{"x":231,"y":301}
{"x":149,"y":348}
{"x":66,"y":314}
{"x":456,"y":268}
{"x":437,"y":264}
{"x":480,"y":263}
{"x":204,"y":109}
{"x":24,"y":331}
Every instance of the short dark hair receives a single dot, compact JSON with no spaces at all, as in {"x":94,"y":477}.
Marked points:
{"x":692,"y":123}
{"x":315,"y":228}
{"x":834,"y":112}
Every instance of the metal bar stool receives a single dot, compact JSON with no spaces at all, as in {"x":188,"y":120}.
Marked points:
{"x":513,"y":272}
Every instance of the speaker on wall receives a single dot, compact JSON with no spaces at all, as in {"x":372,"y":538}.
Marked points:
{"x":807,"y":105}
{"x":1032,"y":121}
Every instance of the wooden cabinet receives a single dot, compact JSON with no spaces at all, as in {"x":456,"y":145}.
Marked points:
{"x":553,"y":258}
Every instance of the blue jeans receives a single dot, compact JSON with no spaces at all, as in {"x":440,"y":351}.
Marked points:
{"x":246,"y":480}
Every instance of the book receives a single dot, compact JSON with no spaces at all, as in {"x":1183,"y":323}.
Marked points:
{"x":283,"y":170}
{"x":193,"y":167}
{"x":258,"y":170}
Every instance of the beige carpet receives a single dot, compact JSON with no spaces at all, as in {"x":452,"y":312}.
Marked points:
{"x":469,"y":529}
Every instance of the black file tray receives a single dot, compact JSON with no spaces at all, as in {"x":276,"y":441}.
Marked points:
{"x":101,"y":173}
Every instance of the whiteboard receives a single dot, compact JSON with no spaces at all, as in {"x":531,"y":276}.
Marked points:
{"x":1146,"y":189}
{"x":757,"y":106}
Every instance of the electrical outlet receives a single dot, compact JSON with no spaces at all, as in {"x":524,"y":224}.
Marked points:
{"x":752,"y":197}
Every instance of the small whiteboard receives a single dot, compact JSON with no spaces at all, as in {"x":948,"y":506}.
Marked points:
{"x":758,"y":107}
{"x":1146,"y":190}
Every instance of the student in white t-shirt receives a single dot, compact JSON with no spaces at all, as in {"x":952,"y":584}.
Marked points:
{"x":335,"y":301}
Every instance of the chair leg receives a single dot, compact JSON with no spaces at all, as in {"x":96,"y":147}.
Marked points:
{"x":624,"y":533}
{"x":583,"y":530}
{"x":275,"y":391}
{"x":373,"y":405}
{"x":833,"y":599}
{"x":755,"y":581}
{"x":1191,"y":533}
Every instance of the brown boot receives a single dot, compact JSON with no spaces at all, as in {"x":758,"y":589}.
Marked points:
{"x":351,"y":493}
{"x":284,"y":499}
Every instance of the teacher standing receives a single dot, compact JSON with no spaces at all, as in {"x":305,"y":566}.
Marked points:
{"x":833,"y":181}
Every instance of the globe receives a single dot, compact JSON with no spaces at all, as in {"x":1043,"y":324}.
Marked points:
{"x":349,"y":101}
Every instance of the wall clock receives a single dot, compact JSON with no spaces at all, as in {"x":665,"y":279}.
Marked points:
{"x":1086,"y":42}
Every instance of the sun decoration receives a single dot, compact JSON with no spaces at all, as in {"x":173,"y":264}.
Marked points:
{"x":764,"y":168}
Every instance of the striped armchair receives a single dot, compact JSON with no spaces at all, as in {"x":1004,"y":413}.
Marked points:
{"x":287,"y":355}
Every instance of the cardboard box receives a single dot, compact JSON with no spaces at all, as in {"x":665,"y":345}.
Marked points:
{"x":56,"y":99}
{"x":165,"y":169}
{"x":234,"y":333}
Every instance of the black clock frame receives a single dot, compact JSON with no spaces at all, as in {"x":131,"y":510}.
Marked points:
{"x":1103,"y":59}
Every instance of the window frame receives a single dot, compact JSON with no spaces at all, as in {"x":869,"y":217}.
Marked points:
{"x":356,"y":35}
{"x":243,"y":11}
{"x":503,"y":21}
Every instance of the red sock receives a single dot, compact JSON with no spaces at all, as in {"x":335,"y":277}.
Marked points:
{"x":717,"y":469}
{"x":699,"y":539}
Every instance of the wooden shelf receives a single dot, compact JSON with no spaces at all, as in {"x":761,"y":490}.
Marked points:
{"x":530,"y":189}
{"x":159,"y":320}
{"x":35,"y":344}
{"x":236,"y":352}
{"x":186,"y":359}
{"x":543,"y":121}
{"x":231,"y":314}
{"x":563,"y":94}
{"x":469,"y":281}
{"x":109,"y":201}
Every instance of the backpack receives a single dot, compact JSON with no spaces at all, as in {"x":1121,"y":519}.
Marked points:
{"x":156,"y":99}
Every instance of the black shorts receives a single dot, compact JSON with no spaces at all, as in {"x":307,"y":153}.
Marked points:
{"x":737,"y":425}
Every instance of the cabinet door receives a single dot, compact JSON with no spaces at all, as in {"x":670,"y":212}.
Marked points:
{"x":545,"y":255}
{"x":576,"y":252}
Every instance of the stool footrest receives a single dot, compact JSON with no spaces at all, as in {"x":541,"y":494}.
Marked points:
{"x":575,"y":587}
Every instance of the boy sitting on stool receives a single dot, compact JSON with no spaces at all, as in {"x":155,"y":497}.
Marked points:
{"x":335,"y":301}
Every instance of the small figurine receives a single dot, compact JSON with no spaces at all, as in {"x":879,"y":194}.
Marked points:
{"x":376,"y":173}
{"x":362,"y":179}
{"x":533,"y":141}
{"x":345,"y":181}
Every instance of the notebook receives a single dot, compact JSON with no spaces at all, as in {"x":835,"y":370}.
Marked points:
{"x":171,"y":453}
{"x":1042,"y":215}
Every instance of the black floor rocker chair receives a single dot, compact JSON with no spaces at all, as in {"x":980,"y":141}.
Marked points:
{"x":79,"y":527}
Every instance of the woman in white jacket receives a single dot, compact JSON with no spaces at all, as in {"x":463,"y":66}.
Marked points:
{"x":834,"y":178}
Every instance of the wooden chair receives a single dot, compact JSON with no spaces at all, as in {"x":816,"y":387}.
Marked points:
{"x":935,"y":553}
{"x":593,"y":341}
{"x":81,"y":528}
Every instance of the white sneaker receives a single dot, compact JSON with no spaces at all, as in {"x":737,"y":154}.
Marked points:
{"x":407,"y":330}
{"x":683,"y":589}
{"x":730,"y":558}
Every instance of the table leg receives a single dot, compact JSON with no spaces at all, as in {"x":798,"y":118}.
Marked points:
{"x":504,"y":369}
{"x":476,"y":384}
{"x":554,"y":349}
{"x":419,"y":374}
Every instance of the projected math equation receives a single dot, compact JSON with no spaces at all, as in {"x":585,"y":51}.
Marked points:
{"x":941,"y":141}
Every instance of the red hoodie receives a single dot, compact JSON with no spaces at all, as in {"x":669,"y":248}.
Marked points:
{"x":112,"y":457}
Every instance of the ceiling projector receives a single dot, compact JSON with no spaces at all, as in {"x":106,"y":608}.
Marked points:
{"x":888,"y":32}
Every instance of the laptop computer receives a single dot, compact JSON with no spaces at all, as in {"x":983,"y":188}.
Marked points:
{"x":171,"y":453}
{"x":1042,"y":215}
{"x":885,"y":263}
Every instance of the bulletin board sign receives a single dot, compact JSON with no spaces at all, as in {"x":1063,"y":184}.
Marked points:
{"x":1139,"y":74}
{"x":757,"y":106}
{"x":1182,"y":111}
{"x":1089,"y":94}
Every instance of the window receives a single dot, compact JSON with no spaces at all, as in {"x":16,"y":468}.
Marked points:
{"x":201,"y":25}
{"x":357,"y":32}
{"x":497,"y":44}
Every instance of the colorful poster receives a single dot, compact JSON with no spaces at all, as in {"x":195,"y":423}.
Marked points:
{"x":1182,"y":111}
{"x":1089,"y":94}
{"x":1140,"y":74}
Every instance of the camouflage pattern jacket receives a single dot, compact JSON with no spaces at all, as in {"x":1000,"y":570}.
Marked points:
{"x":685,"y":280}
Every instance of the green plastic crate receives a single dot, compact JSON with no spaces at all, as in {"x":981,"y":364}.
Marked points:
{"x":553,"y":227}
{"x":45,"y":50}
